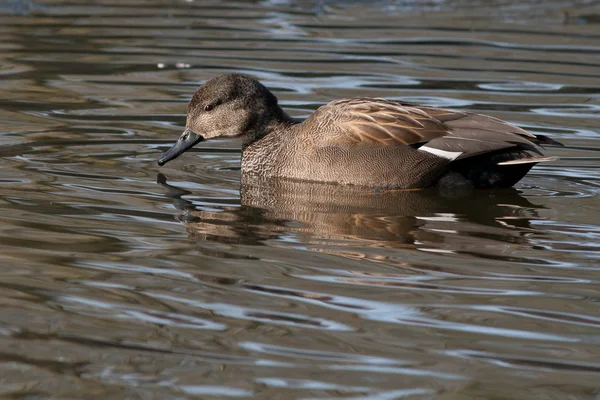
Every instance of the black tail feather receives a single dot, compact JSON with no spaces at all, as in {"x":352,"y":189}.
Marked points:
{"x":546,"y":141}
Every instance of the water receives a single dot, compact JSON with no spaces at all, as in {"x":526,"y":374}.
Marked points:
{"x":120,"y":279}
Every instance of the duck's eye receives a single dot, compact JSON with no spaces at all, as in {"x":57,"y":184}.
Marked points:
{"x":208,"y":107}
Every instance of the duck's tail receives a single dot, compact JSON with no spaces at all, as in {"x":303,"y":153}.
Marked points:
{"x":532,"y":160}
{"x":546,"y":141}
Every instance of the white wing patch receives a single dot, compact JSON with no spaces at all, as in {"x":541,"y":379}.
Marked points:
{"x":448,"y":155}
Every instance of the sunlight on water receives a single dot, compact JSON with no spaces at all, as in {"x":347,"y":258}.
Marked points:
{"x":125,"y":280}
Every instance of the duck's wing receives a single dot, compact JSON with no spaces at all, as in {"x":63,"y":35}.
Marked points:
{"x":379,"y":121}
{"x":475,"y":134}
{"x":446,"y":133}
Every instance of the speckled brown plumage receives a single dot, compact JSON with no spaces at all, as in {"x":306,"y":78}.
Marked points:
{"x":369,"y":142}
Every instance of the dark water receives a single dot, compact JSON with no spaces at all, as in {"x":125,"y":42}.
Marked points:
{"x":120,"y":279}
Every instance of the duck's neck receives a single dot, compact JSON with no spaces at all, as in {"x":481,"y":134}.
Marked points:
{"x":278,"y":122}
{"x":262,"y":152}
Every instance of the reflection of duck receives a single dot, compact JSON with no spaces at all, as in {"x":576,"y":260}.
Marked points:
{"x":360,"y":141}
{"x":273,"y":207}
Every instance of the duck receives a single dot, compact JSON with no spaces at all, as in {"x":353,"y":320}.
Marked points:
{"x":361,"y":141}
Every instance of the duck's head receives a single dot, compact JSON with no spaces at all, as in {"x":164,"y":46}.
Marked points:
{"x":230,"y":105}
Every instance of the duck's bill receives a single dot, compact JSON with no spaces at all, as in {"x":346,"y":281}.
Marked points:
{"x":185,"y":142}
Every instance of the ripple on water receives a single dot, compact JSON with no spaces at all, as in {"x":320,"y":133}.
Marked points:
{"x":122,"y":282}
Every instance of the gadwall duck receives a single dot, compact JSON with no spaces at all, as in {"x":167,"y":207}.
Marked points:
{"x":360,"y":141}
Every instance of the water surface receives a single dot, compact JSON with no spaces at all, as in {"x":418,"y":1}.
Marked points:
{"x":124,"y":280}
